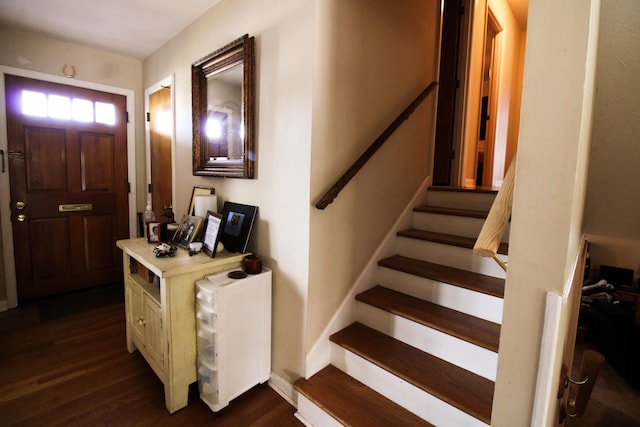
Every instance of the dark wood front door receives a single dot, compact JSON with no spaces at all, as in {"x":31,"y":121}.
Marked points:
{"x":69,"y":191}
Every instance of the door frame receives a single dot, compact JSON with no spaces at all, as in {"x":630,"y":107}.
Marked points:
{"x":164,"y":83}
{"x":5,"y":199}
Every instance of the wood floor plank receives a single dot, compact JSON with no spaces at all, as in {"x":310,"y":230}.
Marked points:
{"x":71,"y":368}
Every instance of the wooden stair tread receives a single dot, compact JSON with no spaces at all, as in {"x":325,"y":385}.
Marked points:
{"x":460,"y":325}
{"x":488,"y":285}
{"x":469,"y":213}
{"x":451,"y":188}
{"x":353,"y":403}
{"x":447,"y":239}
{"x":460,"y":388}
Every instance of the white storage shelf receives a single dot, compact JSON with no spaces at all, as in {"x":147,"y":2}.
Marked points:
{"x":234,"y":335}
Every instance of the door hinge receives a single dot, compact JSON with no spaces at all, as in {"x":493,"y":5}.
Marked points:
{"x":149,"y":188}
{"x":128,"y":187}
{"x":126,"y":116}
{"x":148,"y":116}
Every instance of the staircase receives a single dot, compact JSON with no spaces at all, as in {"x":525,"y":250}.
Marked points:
{"x":424,"y":348}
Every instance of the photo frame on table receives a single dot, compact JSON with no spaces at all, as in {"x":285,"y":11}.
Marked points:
{"x":153,"y":232}
{"x":211,"y":233}
{"x":237,"y":225}
{"x":187,"y":231}
{"x":199,"y":191}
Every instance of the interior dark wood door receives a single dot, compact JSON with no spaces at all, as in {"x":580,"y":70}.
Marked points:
{"x":69,"y":190}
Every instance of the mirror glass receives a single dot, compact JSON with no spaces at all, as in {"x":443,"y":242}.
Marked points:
{"x":223,"y":111}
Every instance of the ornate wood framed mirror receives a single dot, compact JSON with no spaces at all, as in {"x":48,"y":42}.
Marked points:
{"x":222,"y":90}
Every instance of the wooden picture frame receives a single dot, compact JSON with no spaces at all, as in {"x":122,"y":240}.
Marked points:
{"x":187,"y":231}
{"x":198,"y":191}
{"x":237,"y":225}
{"x":153,"y":232}
{"x":211,"y":235}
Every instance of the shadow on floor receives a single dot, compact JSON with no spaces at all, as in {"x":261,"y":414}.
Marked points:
{"x":78,"y":302}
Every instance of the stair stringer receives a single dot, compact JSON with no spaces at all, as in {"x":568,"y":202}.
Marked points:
{"x":319,"y":355}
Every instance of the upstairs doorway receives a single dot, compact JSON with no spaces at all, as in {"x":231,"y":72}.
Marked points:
{"x":482,"y":59}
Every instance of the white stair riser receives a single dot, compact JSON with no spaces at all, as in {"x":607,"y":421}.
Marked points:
{"x":476,"y":304}
{"x":453,"y":256}
{"x":461,"y":200}
{"x":401,"y":392}
{"x":452,"y":224}
{"x":468,"y":356}
{"x":311,"y":415}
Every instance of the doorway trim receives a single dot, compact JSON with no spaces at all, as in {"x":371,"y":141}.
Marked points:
{"x":496,"y":116}
{"x":5,"y":199}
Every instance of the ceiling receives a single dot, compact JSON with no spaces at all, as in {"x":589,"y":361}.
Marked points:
{"x":134,"y":28}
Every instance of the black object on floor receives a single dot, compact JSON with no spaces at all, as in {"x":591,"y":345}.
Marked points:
{"x":77,"y":302}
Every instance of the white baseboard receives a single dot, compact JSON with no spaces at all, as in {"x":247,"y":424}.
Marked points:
{"x":283,"y":388}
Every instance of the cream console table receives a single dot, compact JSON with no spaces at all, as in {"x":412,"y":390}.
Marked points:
{"x":161,"y":320}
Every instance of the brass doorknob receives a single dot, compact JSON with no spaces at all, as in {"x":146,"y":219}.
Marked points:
{"x":20,"y":205}
{"x":22,"y":217}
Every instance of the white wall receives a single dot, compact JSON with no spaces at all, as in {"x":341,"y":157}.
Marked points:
{"x":284,"y":34}
{"x":551,"y":175}
{"x":372,"y":60}
{"x":615,"y":251}
{"x":613,"y":194}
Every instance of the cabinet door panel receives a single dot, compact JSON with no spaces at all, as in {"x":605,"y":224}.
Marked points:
{"x":153,"y":330}
{"x":136,"y":314}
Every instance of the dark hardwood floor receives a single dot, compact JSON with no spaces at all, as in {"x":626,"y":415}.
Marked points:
{"x":64,"y":362}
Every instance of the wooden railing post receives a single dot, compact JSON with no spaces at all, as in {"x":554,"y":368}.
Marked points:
{"x":491,"y":234}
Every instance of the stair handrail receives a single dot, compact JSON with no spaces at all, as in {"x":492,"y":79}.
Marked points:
{"x":493,"y":228}
{"x":333,"y":192}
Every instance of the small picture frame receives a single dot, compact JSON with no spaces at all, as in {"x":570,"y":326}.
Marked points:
{"x":199,"y":191}
{"x":237,"y":224}
{"x":187,"y":231}
{"x":153,"y":232}
{"x":211,"y":233}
